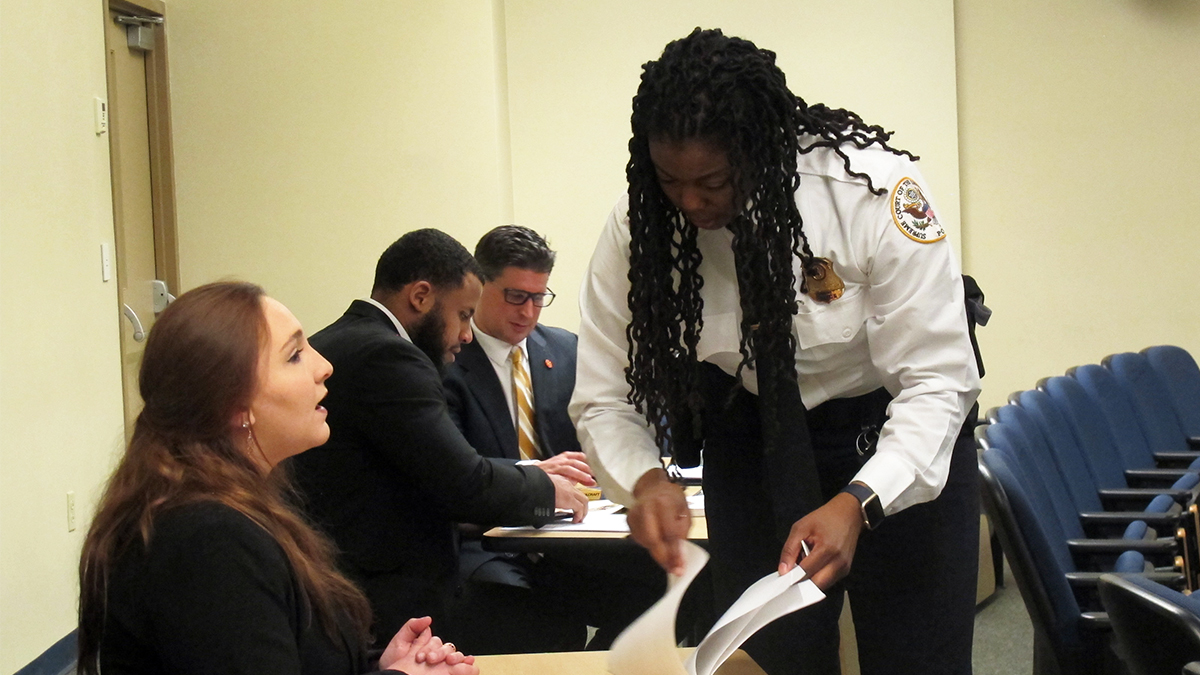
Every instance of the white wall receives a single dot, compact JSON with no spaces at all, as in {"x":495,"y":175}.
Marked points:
{"x":573,"y":69}
{"x":1080,"y":149}
{"x":60,"y":381}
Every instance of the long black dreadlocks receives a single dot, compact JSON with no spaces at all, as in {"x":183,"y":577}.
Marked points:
{"x":727,"y":91}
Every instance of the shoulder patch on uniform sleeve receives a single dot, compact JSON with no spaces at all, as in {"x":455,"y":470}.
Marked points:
{"x":913,"y":215}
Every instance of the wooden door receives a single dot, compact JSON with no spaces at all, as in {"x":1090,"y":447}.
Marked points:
{"x":143,"y":192}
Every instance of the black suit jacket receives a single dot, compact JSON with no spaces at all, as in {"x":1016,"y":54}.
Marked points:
{"x":477,"y":402}
{"x":478,"y":407}
{"x":396,"y":472}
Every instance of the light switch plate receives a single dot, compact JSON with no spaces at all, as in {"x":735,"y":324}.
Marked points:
{"x":101,"y":114}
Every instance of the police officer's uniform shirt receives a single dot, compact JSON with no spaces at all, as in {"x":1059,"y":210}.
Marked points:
{"x":900,"y":324}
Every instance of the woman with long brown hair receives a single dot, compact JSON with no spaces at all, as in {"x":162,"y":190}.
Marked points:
{"x":196,"y":562}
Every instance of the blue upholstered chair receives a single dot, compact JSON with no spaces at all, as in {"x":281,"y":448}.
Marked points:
{"x":1151,"y":398}
{"x":1181,"y":375}
{"x":1093,"y":473}
{"x":1077,"y":500}
{"x":1092,"y":429}
{"x":1124,"y":421}
{"x":1157,"y":628}
{"x":1071,"y":635}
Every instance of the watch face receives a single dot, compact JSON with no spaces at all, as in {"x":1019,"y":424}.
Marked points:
{"x":872,"y":511}
{"x":868,"y":504}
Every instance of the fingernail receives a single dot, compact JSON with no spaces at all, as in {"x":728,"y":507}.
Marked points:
{"x":783,"y":569}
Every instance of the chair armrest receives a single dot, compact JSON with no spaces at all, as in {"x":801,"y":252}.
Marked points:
{"x":1144,"y":495}
{"x":1095,"y":621}
{"x":1092,"y":579}
{"x":1145,"y":546}
{"x":1119,"y":518}
{"x":1175,"y":459}
{"x":1150,"y":477}
{"x":1113,"y":524}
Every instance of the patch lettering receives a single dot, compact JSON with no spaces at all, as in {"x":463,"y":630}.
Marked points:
{"x":913,"y":215}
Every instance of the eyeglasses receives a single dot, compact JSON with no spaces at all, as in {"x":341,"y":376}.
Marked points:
{"x":515,"y":296}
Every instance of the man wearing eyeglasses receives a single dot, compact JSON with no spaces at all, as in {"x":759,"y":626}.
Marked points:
{"x":508,"y":391}
{"x":509,"y":387}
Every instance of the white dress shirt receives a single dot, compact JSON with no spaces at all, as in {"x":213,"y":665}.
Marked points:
{"x":395,"y":322}
{"x":901,"y":324}
{"x":499,"y":353}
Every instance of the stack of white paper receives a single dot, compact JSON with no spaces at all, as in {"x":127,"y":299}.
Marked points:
{"x":647,"y":646}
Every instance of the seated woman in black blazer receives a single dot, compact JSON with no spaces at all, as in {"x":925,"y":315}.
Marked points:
{"x":196,"y":562}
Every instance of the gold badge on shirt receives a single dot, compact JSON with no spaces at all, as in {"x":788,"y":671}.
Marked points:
{"x":824,"y":285}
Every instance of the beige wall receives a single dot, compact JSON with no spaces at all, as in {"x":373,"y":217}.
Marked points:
{"x":60,"y":383}
{"x":307,"y":141}
{"x":573,"y":69}
{"x":1080,"y":149}
{"x":296,"y":167}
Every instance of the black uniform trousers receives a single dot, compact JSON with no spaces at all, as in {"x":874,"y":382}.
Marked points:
{"x":913,"y":580}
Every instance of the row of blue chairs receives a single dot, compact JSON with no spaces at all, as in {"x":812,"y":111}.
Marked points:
{"x":1090,"y":473}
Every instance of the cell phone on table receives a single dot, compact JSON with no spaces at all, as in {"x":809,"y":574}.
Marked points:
{"x":557,"y":517}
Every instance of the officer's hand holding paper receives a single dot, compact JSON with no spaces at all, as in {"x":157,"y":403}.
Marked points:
{"x":647,"y":646}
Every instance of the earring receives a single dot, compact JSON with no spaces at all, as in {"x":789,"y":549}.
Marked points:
{"x":249,"y":433}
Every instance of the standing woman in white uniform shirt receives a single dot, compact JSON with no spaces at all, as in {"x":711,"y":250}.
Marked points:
{"x":776,"y":291}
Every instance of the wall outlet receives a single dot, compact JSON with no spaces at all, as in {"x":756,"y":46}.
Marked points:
{"x":70,"y":511}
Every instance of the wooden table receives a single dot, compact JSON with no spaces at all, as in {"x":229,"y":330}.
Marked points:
{"x":588,"y":663}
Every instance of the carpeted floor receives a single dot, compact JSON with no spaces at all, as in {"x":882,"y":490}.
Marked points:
{"x":1003,"y":633}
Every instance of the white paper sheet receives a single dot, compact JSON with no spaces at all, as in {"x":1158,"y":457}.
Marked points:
{"x":647,"y":646}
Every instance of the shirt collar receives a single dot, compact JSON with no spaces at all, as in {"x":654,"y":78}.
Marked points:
{"x":498,"y":351}
{"x":396,"y":322}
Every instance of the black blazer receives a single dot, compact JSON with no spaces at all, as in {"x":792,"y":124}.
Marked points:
{"x":396,"y":472}
{"x":477,"y":403}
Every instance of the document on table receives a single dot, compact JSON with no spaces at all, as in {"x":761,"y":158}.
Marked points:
{"x":647,"y":646}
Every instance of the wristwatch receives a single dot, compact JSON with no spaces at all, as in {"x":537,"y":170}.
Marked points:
{"x":868,"y":504}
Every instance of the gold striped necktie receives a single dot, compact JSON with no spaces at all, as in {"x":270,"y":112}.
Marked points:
{"x":526,"y":436}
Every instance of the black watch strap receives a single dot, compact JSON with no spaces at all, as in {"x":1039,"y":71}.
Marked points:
{"x":868,"y":504}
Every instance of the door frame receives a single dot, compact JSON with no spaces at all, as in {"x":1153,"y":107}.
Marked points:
{"x":162,"y":153}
